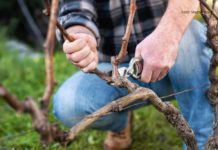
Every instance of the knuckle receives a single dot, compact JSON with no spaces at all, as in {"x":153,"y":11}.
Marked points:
{"x":159,"y":65}
{"x":85,"y":70}
{"x":92,"y":55}
{"x":82,"y":63}
{"x":155,"y":65}
{"x":74,"y":57}
{"x":151,"y":64}
{"x":81,"y":43}
{"x":153,"y":80}
{"x":83,"y":53}
{"x":168,"y":67}
{"x":92,"y":66}
{"x":145,"y":80}
{"x":87,"y":49}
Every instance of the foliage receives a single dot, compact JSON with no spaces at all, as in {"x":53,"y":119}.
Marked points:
{"x":13,"y":20}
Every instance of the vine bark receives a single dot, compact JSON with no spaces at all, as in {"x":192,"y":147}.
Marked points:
{"x":211,"y":20}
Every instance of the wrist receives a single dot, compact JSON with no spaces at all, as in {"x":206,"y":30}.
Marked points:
{"x":174,"y":22}
{"x":79,"y":29}
{"x":168,"y":35}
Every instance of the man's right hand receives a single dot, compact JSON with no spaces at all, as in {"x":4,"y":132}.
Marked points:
{"x":82,"y":52}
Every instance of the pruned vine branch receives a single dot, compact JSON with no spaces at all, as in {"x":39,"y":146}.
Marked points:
{"x":125,"y":39}
{"x":205,"y":7}
{"x":211,"y":20}
{"x":47,"y":9}
{"x":11,"y":100}
{"x":48,"y":132}
{"x":170,"y":112}
{"x":49,"y":49}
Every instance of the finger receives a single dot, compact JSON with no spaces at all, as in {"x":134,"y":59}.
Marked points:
{"x":155,"y":75}
{"x":80,"y":55}
{"x":96,"y":57}
{"x":90,"y":67}
{"x":89,"y":39}
{"x":71,"y":47}
{"x":93,"y":43}
{"x":137,"y":52}
{"x":146,"y":74}
{"x":163,"y":74}
{"x":86,"y":61}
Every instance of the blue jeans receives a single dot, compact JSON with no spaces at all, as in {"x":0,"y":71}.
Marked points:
{"x":83,"y":94}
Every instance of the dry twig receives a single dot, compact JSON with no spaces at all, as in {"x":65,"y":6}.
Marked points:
{"x":48,"y":132}
{"x":29,"y":106}
{"x":125,"y":39}
{"x":170,"y":112}
{"x":49,"y":48}
{"x":212,"y":34}
{"x":47,"y":9}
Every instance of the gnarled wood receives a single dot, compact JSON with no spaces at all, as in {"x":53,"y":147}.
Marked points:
{"x":171,"y":113}
{"x":211,"y":20}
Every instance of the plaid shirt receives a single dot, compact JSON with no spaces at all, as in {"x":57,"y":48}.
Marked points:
{"x":107,"y":19}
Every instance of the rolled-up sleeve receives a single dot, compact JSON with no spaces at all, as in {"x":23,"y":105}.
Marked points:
{"x":78,"y":12}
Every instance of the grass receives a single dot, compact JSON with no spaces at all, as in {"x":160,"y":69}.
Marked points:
{"x":26,"y":76}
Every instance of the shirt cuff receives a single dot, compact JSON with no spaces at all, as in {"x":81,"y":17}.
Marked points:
{"x":72,"y":20}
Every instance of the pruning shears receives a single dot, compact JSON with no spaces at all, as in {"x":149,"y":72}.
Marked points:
{"x":134,"y":70}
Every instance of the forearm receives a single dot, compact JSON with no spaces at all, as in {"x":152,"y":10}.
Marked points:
{"x":159,"y":49}
{"x":174,"y":22}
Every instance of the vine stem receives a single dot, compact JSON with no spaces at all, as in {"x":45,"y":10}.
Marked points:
{"x":211,"y":20}
{"x":49,"y":50}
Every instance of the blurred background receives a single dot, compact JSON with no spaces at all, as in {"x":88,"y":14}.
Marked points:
{"x":23,"y":20}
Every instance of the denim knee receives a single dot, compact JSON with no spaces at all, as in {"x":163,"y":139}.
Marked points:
{"x":71,"y":112}
{"x":193,"y":58}
{"x":65,"y":110}
{"x":83,"y":94}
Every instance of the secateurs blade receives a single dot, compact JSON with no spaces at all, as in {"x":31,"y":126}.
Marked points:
{"x":134,"y":70}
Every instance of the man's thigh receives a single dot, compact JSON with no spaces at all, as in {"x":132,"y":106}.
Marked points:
{"x":191,"y":71}
{"x":83,"y":94}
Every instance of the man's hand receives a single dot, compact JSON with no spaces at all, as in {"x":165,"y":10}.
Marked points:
{"x":159,"y":54}
{"x":159,"y":49}
{"x":82,"y":52}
